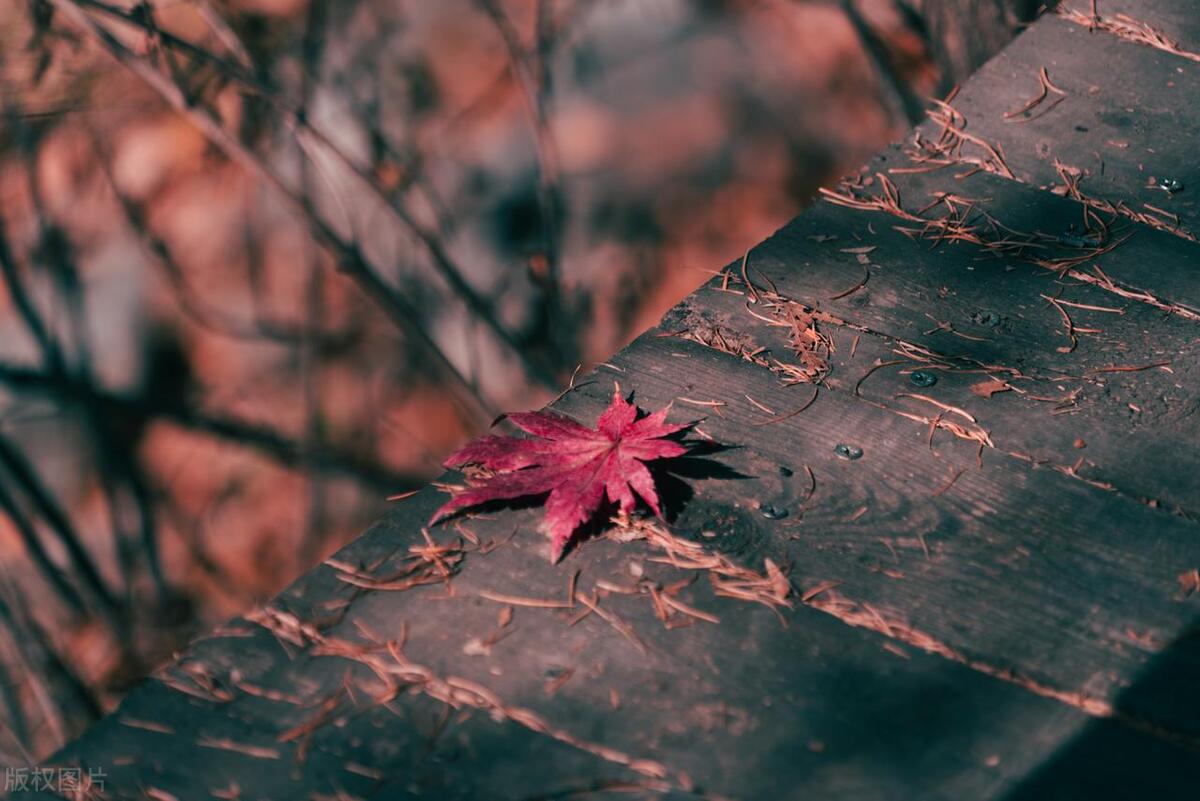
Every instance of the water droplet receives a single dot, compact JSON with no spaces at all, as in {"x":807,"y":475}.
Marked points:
{"x":1170,"y":185}
{"x":772,"y":512}
{"x":849,"y":452}
{"x":922,"y":378}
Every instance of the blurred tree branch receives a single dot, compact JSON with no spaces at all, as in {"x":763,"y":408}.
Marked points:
{"x":347,"y":252}
{"x":901,"y":100}
{"x":961,"y":35}
{"x":530,"y":66}
{"x":271,"y":443}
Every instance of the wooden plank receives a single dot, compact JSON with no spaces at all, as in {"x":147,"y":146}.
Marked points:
{"x":1030,"y":575}
{"x":1123,"y":428}
{"x":161,"y":744}
{"x":1128,"y":116}
{"x":1175,"y":18}
{"x":747,"y":708}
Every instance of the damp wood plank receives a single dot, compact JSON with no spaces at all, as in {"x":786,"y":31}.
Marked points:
{"x":1029,"y":575}
{"x":1098,"y":381}
{"x":281,"y":705}
{"x":1038,"y":636}
{"x":1127,"y":117}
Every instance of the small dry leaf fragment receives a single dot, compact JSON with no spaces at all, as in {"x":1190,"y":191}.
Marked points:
{"x":986,"y":389}
{"x":810,"y":345}
{"x":813,"y":592}
{"x":476,"y":647}
{"x":780,"y":587}
{"x":574,"y":465}
{"x":1189,"y":582}
{"x":1079,"y":443}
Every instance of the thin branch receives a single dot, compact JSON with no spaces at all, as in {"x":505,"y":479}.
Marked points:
{"x":204,"y":314}
{"x":211,"y":128}
{"x":33,"y":544}
{"x":268,"y":441}
{"x":900,"y":97}
{"x":308,"y":357}
{"x":120,"y":467}
{"x":24,"y":303}
{"x":14,"y":720}
{"x":530,"y":67}
{"x":33,"y":642}
{"x":43,"y":501}
{"x":349,"y":257}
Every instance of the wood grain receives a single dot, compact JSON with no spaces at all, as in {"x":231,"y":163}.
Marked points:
{"x":993,"y":319}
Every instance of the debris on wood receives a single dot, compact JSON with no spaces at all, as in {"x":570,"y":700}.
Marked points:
{"x":986,"y":389}
{"x":1045,"y":88}
{"x":1126,"y":27}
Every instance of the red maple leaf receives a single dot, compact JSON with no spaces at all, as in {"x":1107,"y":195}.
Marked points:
{"x":576,"y":465}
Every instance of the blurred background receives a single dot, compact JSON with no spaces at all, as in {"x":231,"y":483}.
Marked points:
{"x":265,"y":262}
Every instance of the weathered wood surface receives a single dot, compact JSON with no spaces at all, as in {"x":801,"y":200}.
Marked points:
{"x":973,"y":310}
{"x":1129,"y":117}
{"x":985,"y":605}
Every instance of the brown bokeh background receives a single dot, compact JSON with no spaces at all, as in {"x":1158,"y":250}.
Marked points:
{"x":266,"y":261}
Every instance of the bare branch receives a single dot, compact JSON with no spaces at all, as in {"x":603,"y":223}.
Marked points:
{"x":33,"y":544}
{"x":268,"y":441}
{"x":904,"y":104}
{"x":24,"y":304}
{"x":43,"y":501}
{"x":353,"y":263}
{"x":530,"y":67}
